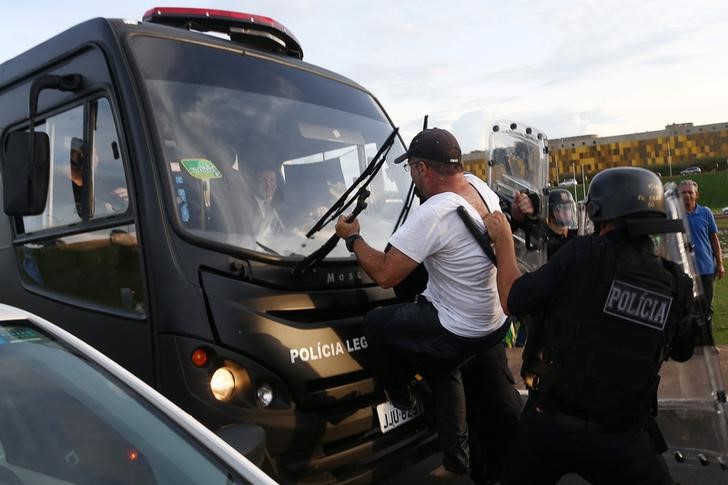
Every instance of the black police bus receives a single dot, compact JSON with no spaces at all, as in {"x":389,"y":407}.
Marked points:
{"x":161,"y":188}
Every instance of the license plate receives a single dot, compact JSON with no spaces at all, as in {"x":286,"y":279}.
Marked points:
{"x":391,"y":417}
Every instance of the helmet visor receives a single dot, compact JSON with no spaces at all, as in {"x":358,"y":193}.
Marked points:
{"x":563,"y":214}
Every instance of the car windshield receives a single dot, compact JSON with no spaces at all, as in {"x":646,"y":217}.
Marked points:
{"x":256,"y":151}
{"x":63,"y":419}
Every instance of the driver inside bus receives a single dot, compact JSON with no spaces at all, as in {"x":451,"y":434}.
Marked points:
{"x":110,"y":194}
{"x":267,"y":197}
{"x":76,"y":159}
{"x":111,"y":201}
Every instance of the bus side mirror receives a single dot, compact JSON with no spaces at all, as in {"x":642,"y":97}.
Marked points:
{"x":25,"y":181}
{"x":26,"y":160}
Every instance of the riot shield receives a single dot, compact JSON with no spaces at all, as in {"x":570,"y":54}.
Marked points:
{"x":518,"y":162}
{"x":584,"y":225}
{"x":693,"y":413}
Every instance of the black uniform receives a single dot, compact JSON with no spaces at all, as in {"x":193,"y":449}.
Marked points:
{"x":613,"y":313}
{"x":554,"y":241}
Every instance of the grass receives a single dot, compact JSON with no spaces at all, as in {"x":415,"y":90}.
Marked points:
{"x":712,"y":188}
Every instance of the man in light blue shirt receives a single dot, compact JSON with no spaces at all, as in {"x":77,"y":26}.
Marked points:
{"x":704,"y":234}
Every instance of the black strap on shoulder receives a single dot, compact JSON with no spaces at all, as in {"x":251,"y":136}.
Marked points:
{"x":480,"y":237}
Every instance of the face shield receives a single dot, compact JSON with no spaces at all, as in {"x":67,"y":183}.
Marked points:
{"x":563,"y":214}
{"x":562,"y":209}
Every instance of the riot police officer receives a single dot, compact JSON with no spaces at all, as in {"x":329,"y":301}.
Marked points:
{"x":561,"y":220}
{"x":560,"y":228}
{"x":614,"y":311}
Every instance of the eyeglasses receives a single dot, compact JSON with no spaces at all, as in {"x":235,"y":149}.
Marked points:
{"x":408,"y":166}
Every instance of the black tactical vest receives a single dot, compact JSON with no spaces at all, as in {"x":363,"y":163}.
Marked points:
{"x":607,"y":333}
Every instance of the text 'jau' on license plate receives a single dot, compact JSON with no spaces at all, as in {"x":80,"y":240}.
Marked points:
{"x":390,"y":417}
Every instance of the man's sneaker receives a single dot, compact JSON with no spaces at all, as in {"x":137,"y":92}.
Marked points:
{"x":403,"y":399}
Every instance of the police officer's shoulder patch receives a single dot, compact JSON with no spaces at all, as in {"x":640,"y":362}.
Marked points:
{"x":639,"y":305}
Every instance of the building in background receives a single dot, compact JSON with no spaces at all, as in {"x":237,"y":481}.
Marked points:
{"x":476,"y":163}
{"x":664,"y":151}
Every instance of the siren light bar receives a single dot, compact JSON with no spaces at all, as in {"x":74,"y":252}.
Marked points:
{"x":244,"y":28}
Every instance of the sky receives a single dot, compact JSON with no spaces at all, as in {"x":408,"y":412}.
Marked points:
{"x":604,"y":67}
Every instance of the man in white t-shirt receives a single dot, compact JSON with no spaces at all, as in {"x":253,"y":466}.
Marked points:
{"x":458,"y":313}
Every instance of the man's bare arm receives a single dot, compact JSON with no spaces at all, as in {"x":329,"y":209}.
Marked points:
{"x":499,"y":231}
{"x":715,"y":243}
{"x":386,"y":269}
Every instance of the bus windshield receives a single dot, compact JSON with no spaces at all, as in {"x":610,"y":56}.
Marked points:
{"x":256,"y":151}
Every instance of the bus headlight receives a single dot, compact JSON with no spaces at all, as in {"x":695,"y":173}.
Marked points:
{"x":222,"y":384}
{"x":265,"y":395}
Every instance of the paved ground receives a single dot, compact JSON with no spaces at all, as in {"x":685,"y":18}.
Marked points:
{"x":678,"y":380}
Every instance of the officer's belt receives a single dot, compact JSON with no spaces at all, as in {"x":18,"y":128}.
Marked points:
{"x":583,"y":424}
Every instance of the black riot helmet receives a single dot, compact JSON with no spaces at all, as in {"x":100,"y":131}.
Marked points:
{"x":562,"y":208}
{"x":617,"y":193}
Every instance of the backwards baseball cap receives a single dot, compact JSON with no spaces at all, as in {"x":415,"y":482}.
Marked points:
{"x":433,"y":144}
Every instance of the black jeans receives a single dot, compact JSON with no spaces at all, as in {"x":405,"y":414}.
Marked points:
{"x":544,"y":451}
{"x":493,"y":408}
{"x":398,"y":334}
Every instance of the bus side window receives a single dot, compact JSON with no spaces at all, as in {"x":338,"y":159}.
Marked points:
{"x":99,"y":266}
{"x":111,"y":193}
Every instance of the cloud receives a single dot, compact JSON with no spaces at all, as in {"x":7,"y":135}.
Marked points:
{"x":594,"y":66}
{"x":471,"y":129}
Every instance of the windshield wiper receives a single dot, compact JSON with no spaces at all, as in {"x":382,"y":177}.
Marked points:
{"x":408,"y":201}
{"x":342,"y":204}
{"x":338,"y":207}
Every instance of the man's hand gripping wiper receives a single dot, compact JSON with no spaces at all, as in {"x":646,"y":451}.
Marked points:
{"x":318,"y":255}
